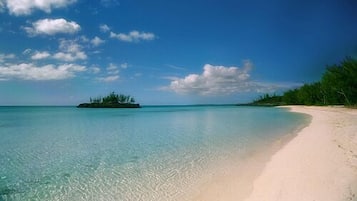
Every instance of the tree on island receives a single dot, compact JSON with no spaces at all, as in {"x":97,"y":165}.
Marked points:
{"x":112,"y":100}
{"x":338,"y":86}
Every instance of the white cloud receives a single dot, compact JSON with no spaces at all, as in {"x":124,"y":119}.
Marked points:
{"x":110,"y":78}
{"x":112,"y":69}
{"x":69,"y":46}
{"x":26,"y":7}
{"x":27,"y":51}
{"x":96,"y":41}
{"x":70,"y":51}
{"x":133,"y":36}
{"x":40,"y":55}
{"x":65,"y":56}
{"x":29,"y":71}
{"x":84,"y":39}
{"x":4,"y":57}
{"x":2,"y":6}
{"x":94,"y":69}
{"x":104,"y":28}
{"x":213,"y":80}
{"x":52,"y":27}
{"x":219,"y":80}
{"x":112,"y":74}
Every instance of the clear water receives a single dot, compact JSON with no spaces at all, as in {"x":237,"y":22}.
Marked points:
{"x":152,"y":153}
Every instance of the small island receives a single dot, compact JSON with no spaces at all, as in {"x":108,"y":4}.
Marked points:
{"x":113,"y":100}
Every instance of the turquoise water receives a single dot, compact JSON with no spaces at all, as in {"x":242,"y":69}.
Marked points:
{"x":152,"y":153}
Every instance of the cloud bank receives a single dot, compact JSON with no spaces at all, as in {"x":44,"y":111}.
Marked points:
{"x":96,"y":41}
{"x":220,"y":80}
{"x":29,"y":71}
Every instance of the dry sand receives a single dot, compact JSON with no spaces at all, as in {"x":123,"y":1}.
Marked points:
{"x":319,"y":164}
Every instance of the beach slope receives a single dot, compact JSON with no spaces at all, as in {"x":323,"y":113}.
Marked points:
{"x":319,"y":164}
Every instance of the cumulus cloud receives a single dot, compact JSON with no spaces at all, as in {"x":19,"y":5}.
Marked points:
{"x":133,"y":36}
{"x":40,"y":55}
{"x":70,"y":51}
{"x":26,"y":7}
{"x":96,"y":41}
{"x":29,"y":71}
{"x":219,"y":80}
{"x":104,"y":28}
{"x":52,"y":27}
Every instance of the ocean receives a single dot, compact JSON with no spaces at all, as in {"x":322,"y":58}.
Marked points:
{"x":152,"y":153}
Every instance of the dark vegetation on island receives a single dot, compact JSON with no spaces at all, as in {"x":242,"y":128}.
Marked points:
{"x":112,"y":100}
{"x":338,"y":86}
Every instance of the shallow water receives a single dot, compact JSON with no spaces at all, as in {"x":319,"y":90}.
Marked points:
{"x":152,"y":153}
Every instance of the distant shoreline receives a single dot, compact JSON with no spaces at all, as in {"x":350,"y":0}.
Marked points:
{"x":101,"y":105}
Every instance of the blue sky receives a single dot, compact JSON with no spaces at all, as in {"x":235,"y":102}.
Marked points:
{"x":61,"y":52}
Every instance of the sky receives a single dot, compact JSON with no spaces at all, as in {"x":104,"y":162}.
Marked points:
{"x":62,"y":52}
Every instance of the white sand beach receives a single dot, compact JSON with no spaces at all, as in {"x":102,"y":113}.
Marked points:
{"x":318,"y":164}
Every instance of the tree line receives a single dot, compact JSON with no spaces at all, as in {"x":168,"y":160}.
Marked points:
{"x":338,"y":86}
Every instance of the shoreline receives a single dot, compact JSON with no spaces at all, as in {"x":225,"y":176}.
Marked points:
{"x":319,"y":162}
{"x":236,"y":183}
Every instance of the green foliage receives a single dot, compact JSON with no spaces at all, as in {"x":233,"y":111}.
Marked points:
{"x":338,"y":86}
{"x":340,"y":83}
{"x":310,"y":94}
{"x":268,"y":100}
{"x":96,"y":100}
{"x":290,"y":97}
{"x":113,"y":98}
